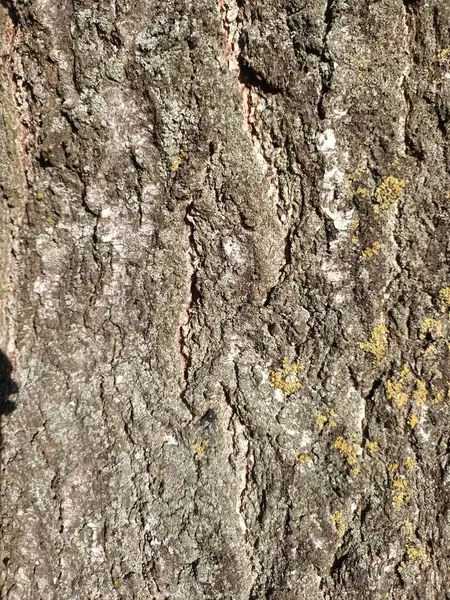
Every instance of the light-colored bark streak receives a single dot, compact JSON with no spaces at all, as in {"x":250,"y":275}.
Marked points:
{"x":13,"y":165}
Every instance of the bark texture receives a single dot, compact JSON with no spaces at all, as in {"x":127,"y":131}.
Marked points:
{"x":224,"y":299}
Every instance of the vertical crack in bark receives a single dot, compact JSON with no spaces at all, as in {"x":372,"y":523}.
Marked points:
{"x":282,"y":271}
{"x":408,"y":20}
{"x":248,"y":80}
{"x":229,"y":10}
{"x":326,"y":63}
{"x":191,"y":298}
{"x":241,"y":463}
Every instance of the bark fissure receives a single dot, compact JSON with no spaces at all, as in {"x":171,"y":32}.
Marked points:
{"x":326,"y":64}
{"x":193,"y":297}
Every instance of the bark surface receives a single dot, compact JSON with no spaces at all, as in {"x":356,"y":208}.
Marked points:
{"x":224,"y":299}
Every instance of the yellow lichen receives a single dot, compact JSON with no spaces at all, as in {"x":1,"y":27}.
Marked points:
{"x":362,"y":191}
{"x":302,"y":458}
{"x":400,"y":484}
{"x":286,"y":379}
{"x":399,"y":499}
{"x":349,"y":451}
{"x":321,"y":421}
{"x":372,"y":448}
{"x":442,"y":58}
{"x":399,"y":493}
{"x":394,"y":391}
{"x":413,"y":420}
{"x":180,"y":158}
{"x":431,"y":328}
{"x":377,"y":344}
{"x":438,"y":397}
{"x":370,"y":252}
{"x":326,"y":419}
{"x":200,"y":448}
{"x":388,"y":193}
{"x":392,"y":467}
{"x":431,"y":349}
{"x":409,"y":464}
{"x":352,"y":177}
{"x":444,"y":296}
{"x":337,"y":518}
{"x":397,"y":389}
{"x":405,"y":372}
{"x":354,"y":226}
{"x":416,"y":553}
{"x":420,"y":395}
{"x":409,"y":529}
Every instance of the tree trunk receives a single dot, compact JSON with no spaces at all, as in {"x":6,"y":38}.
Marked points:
{"x":224,"y":300}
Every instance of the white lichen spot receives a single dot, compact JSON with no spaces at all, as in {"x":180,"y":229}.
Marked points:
{"x":326,"y":141}
{"x":291,"y":432}
{"x":278,"y":395}
{"x":341,"y":219}
{"x":233,"y":252}
{"x":340,"y":298}
{"x":338,"y":113}
{"x":170,"y":440}
{"x":331,"y":271}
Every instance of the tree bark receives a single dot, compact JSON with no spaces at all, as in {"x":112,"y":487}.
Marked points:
{"x":224,"y":299}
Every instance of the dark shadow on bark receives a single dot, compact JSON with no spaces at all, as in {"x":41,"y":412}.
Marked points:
{"x":8,"y":387}
{"x":10,"y":6}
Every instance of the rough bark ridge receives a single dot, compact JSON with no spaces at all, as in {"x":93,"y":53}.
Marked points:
{"x":195,"y":197}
